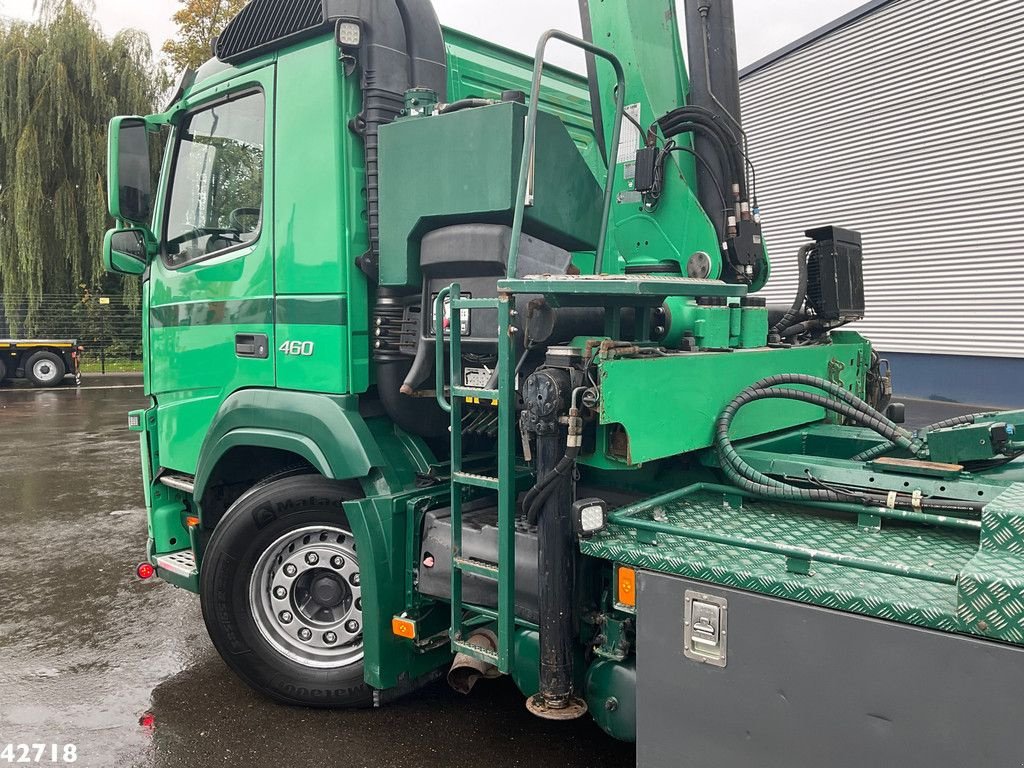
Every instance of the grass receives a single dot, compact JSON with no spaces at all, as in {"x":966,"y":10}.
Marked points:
{"x":112,"y":366}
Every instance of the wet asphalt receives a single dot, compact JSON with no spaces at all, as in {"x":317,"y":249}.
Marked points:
{"x":123,"y":670}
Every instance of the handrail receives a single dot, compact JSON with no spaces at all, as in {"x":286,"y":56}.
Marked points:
{"x":625,"y":517}
{"x":530,"y":142}
{"x":439,"y":347}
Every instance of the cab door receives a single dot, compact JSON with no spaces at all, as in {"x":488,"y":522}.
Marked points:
{"x":211,"y":323}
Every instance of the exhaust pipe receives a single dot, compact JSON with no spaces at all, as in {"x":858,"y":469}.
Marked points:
{"x":466,"y":671}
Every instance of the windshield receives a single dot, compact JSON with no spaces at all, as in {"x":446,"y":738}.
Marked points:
{"x":217,"y":188}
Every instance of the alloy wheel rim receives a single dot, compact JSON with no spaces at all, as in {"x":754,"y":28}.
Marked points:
{"x":306,"y":600}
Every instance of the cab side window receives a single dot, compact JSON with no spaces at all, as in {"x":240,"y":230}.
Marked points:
{"x":216,"y":200}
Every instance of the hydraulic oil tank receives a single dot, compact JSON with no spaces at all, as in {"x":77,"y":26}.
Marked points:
{"x":463,"y":168}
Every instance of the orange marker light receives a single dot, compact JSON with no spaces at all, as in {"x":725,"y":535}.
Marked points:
{"x":627,"y":586}
{"x":403,"y":628}
{"x":191,"y":522}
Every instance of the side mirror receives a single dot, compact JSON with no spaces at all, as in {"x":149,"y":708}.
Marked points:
{"x":130,"y":171}
{"x":125,"y":251}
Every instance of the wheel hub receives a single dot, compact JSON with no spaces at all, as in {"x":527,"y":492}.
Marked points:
{"x":44,"y":370}
{"x":328,"y":591}
{"x":305,"y":597}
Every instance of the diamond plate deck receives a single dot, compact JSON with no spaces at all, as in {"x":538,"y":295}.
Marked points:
{"x":896,"y":598}
{"x":991,"y":587}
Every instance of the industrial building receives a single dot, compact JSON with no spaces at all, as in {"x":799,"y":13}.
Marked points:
{"x":904,"y":120}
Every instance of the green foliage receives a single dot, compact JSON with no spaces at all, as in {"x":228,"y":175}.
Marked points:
{"x":199,"y":21}
{"x":61,"y":81}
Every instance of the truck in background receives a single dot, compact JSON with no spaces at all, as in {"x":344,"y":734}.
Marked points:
{"x":43,"y":362}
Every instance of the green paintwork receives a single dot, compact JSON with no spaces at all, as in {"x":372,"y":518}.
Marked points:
{"x":289,"y":284}
{"x":733,"y":327}
{"x":824,"y":450}
{"x":477,"y":68}
{"x":327,"y":431}
{"x":991,"y":587}
{"x":701,"y":385}
{"x":503,"y":484}
{"x":617,"y":289}
{"x":928,"y":598}
{"x":526,"y":190}
{"x":122,"y":263}
{"x":644,"y":35}
{"x":972,"y":442}
{"x":426,"y":183}
{"x":753,"y":327}
{"x":380,"y":524}
{"x":311,"y":310}
{"x":610,"y":691}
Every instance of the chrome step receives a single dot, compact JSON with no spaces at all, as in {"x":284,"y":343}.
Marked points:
{"x":183,"y":483}
{"x":181,"y":563}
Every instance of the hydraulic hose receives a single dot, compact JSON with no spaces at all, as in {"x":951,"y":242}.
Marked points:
{"x":842,"y":402}
{"x":957,"y":421}
{"x":683,"y":118}
{"x":801,"y":328}
{"x":457,"y":106}
{"x":731,"y":163}
{"x":535,"y":498}
{"x":543,"y":490}
{"x":801,"y":291}
{"x":875,"y":422}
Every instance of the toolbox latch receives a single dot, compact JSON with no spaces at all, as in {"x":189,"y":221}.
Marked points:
{"x":705,"y":628}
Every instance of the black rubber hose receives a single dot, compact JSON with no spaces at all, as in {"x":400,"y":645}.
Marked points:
{"x":873,"y":421}
{"x":800,"y":328}
{"x":851,"y":406}
{"x":836,"y":390}
{"x":746,"y":477}
{"x":729,"y":166}
{"x":461,"y":104}
{"x":801,"y":291}
{"x":536,"y":496}
{"x":670,"y":122}
{"x":956,"y":421}
{"x":730,"y":161}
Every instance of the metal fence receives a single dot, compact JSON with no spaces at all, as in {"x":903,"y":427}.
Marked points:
{"x":109,"y":328}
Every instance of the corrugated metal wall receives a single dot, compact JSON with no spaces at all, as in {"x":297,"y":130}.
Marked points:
{"x":908,"y":125}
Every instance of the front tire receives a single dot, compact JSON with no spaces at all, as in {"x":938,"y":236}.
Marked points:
{"x":280,"y":593}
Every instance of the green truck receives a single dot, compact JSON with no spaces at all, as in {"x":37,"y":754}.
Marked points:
{"x":457,"y":364}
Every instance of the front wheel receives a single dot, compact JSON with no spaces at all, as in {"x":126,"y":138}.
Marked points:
{"x":281,"y":597}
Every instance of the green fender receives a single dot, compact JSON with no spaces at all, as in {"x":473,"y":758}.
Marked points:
{"x":325,"y":430}
{"x":329,"y":432}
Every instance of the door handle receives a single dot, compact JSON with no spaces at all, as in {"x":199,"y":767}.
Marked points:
{"x":250,"y":345}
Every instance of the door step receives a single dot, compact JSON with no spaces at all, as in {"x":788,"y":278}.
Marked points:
{"x":183,"y":483}
{"x":181,"y":563}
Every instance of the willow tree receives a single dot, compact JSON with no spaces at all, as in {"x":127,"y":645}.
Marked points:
{"x":61,"y":81}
